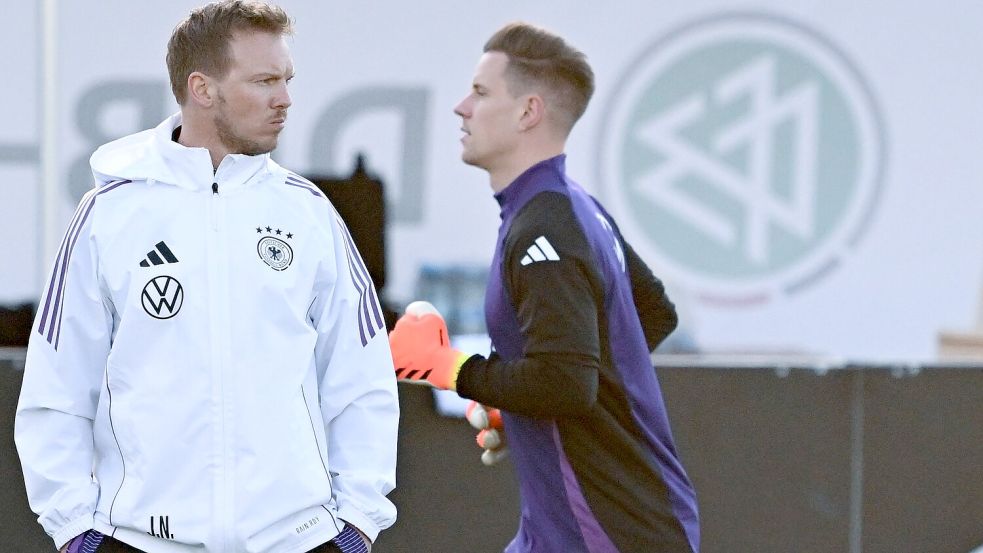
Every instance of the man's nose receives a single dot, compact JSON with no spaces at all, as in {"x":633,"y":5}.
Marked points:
{"x":282,"y":99}
{"x":461,"y":109}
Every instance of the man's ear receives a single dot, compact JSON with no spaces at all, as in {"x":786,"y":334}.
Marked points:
{"x":201,"y":89}
{"x":534,"y":111}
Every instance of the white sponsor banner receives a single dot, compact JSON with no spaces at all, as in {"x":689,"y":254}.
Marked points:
{"x":804,"y":178}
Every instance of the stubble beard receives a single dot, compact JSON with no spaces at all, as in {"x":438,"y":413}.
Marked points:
{"x":234,"y":142}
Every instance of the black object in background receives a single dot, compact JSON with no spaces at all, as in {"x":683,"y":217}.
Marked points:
{"x":361,"y":201}
{"x":15,"y":325}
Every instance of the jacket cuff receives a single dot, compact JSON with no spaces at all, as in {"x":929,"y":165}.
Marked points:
{"x":72,"y":529}
{"x":355,"y":518}
{"x":463,"y":382}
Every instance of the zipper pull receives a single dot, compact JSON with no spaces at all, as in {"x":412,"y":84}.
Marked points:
{"x":212,"y":207}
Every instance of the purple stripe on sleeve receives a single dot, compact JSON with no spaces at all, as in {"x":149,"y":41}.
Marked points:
{"x":53,"y":281}
{"x":80,"y":212}
{"x":369,"y":318}
{"x":293,"y":180}
{"x":64,"y":269}
{"x":363,"y":284}
{"x":361,"y":294}
{"x":71,"y":238}
{"x":365,"y":272}
{"x":299,"y":179}
{"x":363,"y":312}
{"x":375,"y":307}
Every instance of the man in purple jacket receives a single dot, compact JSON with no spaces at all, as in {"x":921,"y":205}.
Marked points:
{"x":573,"y":315}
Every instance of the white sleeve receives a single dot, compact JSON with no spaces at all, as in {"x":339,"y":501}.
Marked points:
{"x":357,"y":387}
{"x":66,"y":358}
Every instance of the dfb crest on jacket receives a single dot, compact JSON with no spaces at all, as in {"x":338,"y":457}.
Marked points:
{"x":275,"y":252}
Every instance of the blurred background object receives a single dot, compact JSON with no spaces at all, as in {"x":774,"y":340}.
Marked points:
{"x":15,"y":324}
{"x":967,"y":345}
{"x":765,"y":158}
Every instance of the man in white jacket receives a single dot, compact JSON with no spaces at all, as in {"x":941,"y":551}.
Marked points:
{"x":209,"y":368}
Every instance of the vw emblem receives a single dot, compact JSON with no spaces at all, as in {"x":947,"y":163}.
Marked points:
{"x":162,"y":297}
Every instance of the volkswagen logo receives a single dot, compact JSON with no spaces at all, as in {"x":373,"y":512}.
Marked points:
{"x":162,"y":297}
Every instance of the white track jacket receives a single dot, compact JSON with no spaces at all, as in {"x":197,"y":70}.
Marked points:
{"x":209,"y":369}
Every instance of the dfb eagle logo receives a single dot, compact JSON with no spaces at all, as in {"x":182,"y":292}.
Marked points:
{"x":275,"y":252}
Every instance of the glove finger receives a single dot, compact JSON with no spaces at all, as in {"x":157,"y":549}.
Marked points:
{"x":490,"y":439}
{"x":495,"y":418}
{"x":493,"y":456}
{"x":411,"y":332}
{"x":482,"y":417}
{"x":477,"y":415}
{"x":420,"y":308}
{"x":413,"y":340}
{"x":434,"y":330}
{"x":432,"y":321}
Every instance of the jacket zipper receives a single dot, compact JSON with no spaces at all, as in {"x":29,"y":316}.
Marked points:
{"x":214,"y":205}
{"x":224,"y":500}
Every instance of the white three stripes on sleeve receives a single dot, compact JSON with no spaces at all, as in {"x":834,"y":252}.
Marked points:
{"x":541,"y":250}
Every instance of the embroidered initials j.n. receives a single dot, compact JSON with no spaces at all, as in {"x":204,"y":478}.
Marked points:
{"x":163,"y":527}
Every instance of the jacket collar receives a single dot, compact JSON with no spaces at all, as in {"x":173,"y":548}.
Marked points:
{"x":152,"y":155}
{"x":549,"y":174}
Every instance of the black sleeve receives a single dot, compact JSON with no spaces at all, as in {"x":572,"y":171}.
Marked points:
{"x":556,"y":303}
{"x":656,"y":313}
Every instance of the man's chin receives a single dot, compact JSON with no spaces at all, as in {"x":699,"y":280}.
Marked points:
{"x":269,"y":145}
{"x":259,"y":149}
{"x":471,"y":160}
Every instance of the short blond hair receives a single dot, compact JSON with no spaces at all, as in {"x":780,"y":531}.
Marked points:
{"x":541,"y":60}
{"x":201,"y":41}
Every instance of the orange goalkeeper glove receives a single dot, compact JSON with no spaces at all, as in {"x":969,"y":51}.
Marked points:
{"x":421,"y":348}
{"x":492,"y":436}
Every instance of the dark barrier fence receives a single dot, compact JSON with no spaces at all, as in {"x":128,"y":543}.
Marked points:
{"x":871,"y":459}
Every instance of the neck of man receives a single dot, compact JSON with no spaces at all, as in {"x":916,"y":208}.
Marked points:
{"x":523,"y":157}
{"x":196,"y":132}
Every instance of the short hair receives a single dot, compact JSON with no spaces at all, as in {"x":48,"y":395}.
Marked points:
{"x":201,"y":42}
{"x":539,"y":59}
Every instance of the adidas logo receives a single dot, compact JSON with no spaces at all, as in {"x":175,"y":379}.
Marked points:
{"x":154,"y":255}
{"x":541,"y":250}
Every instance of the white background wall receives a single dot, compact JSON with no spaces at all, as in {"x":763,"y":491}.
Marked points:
{"x":916,"y":269}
